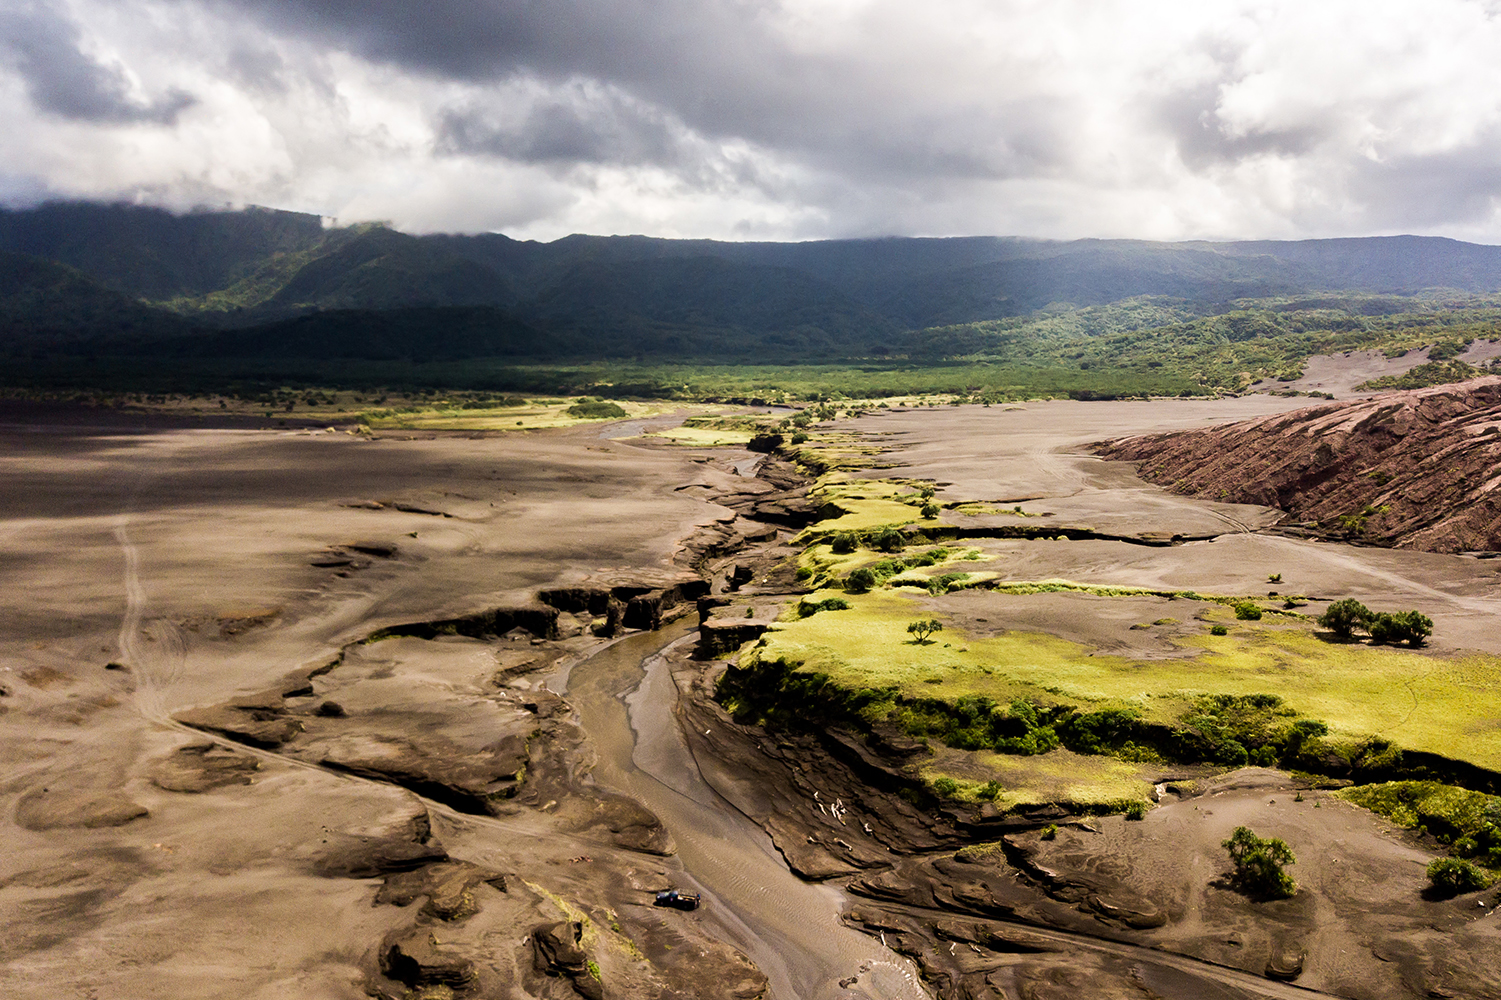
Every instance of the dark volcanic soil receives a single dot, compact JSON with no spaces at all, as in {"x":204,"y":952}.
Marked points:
{"x":1412,"y":469}
{"x":273,"y":724}
{"x":216,"y":786}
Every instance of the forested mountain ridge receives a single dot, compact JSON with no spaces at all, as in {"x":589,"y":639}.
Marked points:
{"x":248,"y":266}
{"x":1003,"y":317}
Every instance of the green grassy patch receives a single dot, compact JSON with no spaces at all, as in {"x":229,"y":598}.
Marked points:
{"x":701,"y":437}
{"x":1370,"y":699}
{"x":1470,"y":821}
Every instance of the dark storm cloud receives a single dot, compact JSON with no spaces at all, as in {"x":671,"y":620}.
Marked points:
{"x":574,"y":126}
{"x":42,"y":46}
{"x":719,"y":69}
{"x":490,"y":39}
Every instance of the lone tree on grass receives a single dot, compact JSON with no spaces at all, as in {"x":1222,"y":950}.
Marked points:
{"x":1259,"y":863}
{"x":1344,"y":617}
{"x":924,"y":628}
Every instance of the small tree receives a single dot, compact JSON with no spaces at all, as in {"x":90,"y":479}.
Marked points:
{"x":1344,"y":617}
{"x":844,"y":543}
{"x":1259,"y":863}
{"x":1411,"y":627}
{"x":930,"y":510}
{"x":924,"y":628}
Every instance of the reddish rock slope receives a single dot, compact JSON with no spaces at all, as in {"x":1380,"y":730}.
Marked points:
{"x":1418,"y":469}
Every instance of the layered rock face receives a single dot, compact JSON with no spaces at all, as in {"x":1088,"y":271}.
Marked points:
{"x":1417,"y":469}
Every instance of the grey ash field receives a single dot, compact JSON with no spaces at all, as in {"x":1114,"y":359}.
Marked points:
{"x":279,"y":720}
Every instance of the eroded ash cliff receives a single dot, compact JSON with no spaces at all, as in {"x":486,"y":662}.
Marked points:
{"x":1417,"y":469}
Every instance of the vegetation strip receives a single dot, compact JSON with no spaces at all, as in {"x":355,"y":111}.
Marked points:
{"x":863,"y":652}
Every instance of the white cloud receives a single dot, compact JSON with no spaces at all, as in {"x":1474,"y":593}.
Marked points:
{"x":775,"y":119}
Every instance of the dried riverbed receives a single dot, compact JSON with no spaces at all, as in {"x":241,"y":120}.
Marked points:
{"x":219,"y":785}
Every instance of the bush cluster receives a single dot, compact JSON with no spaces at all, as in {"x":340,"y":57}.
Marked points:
{"x":1455,"y":875}
{"x":590,"y":408}
{"x":806,"y":608}
{"x":1259,"y":864}
{"x":1469,"y":821}
{"x":1345,"y":616}
{"x":881,"y":540}
{"x":868,"y":577}
{"x":979,"y":723}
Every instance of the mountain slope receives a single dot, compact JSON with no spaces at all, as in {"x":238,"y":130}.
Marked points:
{"x":416,"y":334}
{"x":45,"y":304}
{"x":379,"y":268}
{"x":704,"y":293}
{"x":1415,"y":469}
{"x":642,"y":296}
{"x":154,"y":254}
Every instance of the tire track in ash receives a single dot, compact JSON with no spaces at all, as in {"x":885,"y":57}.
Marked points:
{"x":155,"y":651}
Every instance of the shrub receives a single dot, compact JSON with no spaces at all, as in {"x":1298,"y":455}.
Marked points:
{"x":888,"y":540}
{"x":1050,"y":832}
{"x":861,"y":580}
{"x":799,"y":437}
{"x":1136,"y":809}
{"x":1259,"y":864}
{"x":1248,"y":612}
{"x":930,"y":510}
{"x":1218,"y":630}
{"x":1101,"y":731}
{"x":595,"y":409}
{"x":844,"y":543}
{"x":943,"y":583}
{"x":946,"y":787}
{"x":1411,"y":627}
{"x":923,"y":628}
{"x":806,"y":609}
{"x":1274,"y":578}
{"x":1455,"y":875}
{"x":1344,"y":617}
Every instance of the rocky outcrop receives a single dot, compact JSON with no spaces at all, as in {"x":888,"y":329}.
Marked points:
{"x":470,"y":781}
{"x":620,"y":607}
{"x":449,"y":888}
{"x":413,"y":957}
{"x":556,"y":952}
{"x":539,"y":620}
{"x":777,"y":495}
{"x":1414,"y":469}
{"x":200,"y":767}
{"x":55,"y":808}
{"x":353,"y":856}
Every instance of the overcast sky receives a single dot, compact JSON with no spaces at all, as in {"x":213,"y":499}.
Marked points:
{"x":771,"y":119}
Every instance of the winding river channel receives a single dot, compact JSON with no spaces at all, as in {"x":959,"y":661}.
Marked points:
{"x":790,"y":929}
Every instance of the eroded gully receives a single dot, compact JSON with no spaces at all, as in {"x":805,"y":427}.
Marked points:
{"x":790,"y":929}
{"x":625,"y":698}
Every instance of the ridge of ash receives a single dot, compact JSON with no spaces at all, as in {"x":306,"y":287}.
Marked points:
{"x":1412,"y":470}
